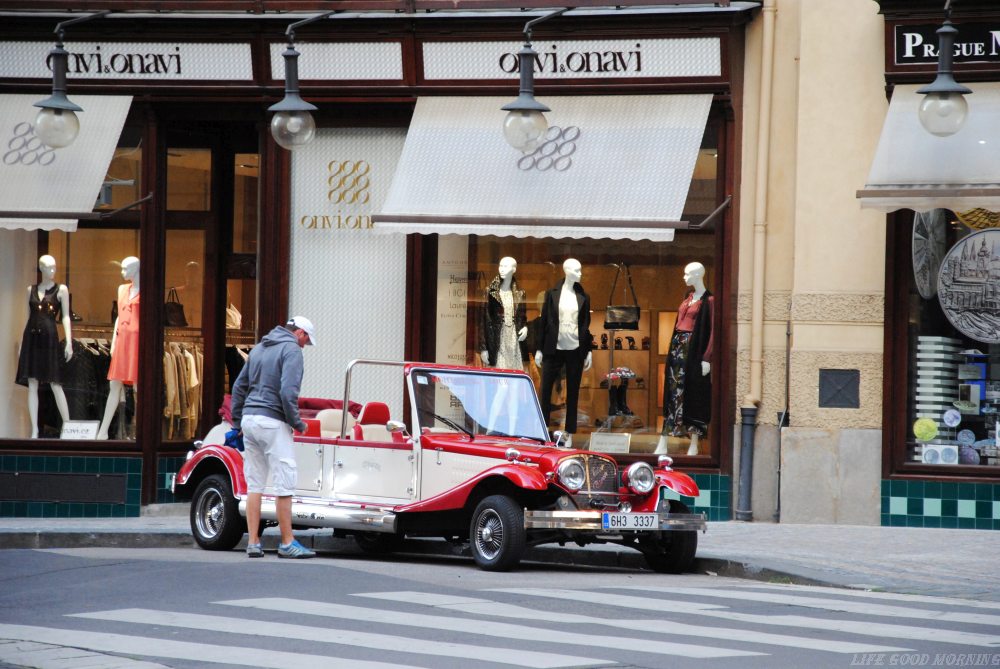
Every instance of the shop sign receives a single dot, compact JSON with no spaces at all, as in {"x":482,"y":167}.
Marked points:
{"x":576,"y":59}
{"x":159,"y":61}
{"x":976,"y":43}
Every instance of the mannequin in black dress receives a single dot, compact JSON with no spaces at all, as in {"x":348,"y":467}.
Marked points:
{"x":38,"y":361}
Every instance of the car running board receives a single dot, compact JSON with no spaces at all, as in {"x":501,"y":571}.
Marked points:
{"x":324,"y":514}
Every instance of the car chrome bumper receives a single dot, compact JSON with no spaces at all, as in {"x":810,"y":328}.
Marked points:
{"x":591,"y":521}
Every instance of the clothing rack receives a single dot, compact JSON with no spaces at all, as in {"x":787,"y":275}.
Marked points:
{"x":92,"y":331}
{"x":240,"y":338}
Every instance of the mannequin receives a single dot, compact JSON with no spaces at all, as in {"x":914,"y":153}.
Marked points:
{"x":124,"y":343}
{"x":38,"y":361}
{"x":687,"y":387}
{"x":565,"y":340}
{"x":504,"y":322}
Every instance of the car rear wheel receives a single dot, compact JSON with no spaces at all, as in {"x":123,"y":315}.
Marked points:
{"x":671,"y":552}
{"x":215,"y":515}
{"x":496,"y":533}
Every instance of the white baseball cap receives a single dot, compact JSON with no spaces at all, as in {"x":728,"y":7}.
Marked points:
{"x":304,"y":324}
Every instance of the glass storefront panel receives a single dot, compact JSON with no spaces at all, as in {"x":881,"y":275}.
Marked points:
{"x":189,"y":193}
{"x":954,"y":345}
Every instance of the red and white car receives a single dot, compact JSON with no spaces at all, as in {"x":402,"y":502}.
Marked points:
{"x":471,"y":460}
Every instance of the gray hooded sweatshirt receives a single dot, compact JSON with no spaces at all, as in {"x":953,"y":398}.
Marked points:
{"x":269,"y":383}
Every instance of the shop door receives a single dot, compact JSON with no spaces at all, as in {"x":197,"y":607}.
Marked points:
{"x":208,"y":317}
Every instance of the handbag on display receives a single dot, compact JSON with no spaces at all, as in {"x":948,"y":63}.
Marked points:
{"x":622,"y":316}
{"x":174,"y":310}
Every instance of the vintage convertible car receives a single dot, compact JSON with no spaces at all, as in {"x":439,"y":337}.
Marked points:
{"x":472,"y":461}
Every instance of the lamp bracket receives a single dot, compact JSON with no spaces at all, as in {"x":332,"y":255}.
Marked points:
{"x":60,"y":30}
{"x":290,"y":30}
{"x":531,"y":24}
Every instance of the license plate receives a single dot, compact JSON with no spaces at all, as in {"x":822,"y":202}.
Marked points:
{"x":630,"y":521}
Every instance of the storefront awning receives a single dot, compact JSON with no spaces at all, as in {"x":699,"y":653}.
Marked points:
{"x":37,"y":179}
{"x":914,"y":169}
{"x":615,"y":167}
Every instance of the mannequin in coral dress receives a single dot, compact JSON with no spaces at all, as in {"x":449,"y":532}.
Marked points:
{"x":124,"y":369}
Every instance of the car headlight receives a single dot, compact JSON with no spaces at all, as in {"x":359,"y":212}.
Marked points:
{"x":640,"y":478}
{"x":572,"y":474}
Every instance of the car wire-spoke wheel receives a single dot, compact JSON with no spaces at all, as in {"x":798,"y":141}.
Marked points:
{"x":489,"y":534}
{"x":497,"y":534}
{"x":215,"y":515}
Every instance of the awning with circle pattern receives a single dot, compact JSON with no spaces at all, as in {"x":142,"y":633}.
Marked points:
{"x":616,"y":167}
{"x":37,"y":179}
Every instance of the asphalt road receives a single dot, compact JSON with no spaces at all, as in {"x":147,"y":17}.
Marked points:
{"x":187,"y":609}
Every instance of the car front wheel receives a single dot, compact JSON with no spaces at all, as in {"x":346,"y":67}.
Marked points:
{"x":496,"y":533}
{"x":215,"y":515}
{"x":671,"y":552}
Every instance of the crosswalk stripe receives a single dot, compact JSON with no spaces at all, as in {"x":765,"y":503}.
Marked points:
{"x":185,"y":650}
{"x":874,"y":594}
{"x":865,"y":628}
{"x":861,"y":608}
{"x":386,"y":642}
{"x":486,"y":607}
{"x":467,"y":626}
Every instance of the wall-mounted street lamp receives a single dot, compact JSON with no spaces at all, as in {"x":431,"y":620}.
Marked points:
{"x":944,"y":108}
{"x":56,"y":124}
{"x":525,"y":125}
{"x":292,"y":125}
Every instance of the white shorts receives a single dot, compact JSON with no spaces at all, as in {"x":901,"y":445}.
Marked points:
{"x":268,"y":448}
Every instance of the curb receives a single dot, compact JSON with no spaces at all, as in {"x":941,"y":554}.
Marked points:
{"x":607,"y":558}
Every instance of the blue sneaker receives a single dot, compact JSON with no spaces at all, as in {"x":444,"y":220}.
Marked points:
{"x":254,"y":551}
{"x":295,"y":550}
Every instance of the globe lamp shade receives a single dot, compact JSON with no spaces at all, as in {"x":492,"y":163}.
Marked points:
{"x":293,"y":129}
{"x":57,"y":128}
{"x":524,"y":129}
{"x":943,"y":114}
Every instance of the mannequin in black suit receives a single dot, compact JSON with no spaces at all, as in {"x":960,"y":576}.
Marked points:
{"x":565,"y":340}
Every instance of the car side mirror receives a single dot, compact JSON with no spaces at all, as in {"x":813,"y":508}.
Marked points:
{"x":560,"y":437}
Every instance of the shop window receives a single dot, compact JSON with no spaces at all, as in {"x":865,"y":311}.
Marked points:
{"x":88,"y":263}
{"x":954,"y":345}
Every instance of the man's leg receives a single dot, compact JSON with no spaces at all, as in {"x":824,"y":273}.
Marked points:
{"x":253,"y":518}
{"x":284,"y":507}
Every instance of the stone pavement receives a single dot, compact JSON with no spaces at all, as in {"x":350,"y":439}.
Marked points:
{"x":940,"y":562}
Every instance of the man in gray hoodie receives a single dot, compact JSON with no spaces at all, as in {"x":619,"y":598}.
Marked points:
{"x":265,"y":405}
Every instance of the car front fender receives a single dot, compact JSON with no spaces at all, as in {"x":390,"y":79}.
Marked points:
{"x":521,"y":476}
{"x":210,"y":459}
{"x":680,"y":483}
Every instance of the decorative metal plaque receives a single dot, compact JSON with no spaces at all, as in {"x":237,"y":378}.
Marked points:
{"x":969,"y":286}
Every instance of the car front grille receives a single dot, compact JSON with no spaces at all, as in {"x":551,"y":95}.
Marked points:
{"x":602,"y":475}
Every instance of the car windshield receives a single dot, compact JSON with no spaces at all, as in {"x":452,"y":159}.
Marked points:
{"x":477,"y":403}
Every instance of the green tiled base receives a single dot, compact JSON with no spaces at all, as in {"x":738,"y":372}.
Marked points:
{"x":714,"y":500}
{"x":974,"y":506}
{"x":73,"y":464}
{"x":165,"y":468}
